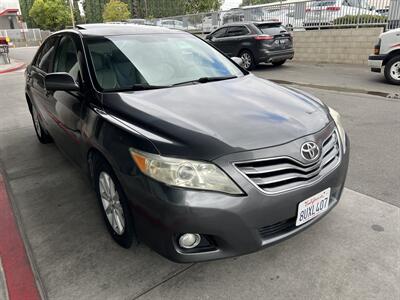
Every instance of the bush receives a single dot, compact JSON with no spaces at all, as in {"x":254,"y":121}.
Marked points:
{"x":361,"y":19}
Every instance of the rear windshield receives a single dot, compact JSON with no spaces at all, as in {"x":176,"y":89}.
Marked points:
{"x":272,"y":29}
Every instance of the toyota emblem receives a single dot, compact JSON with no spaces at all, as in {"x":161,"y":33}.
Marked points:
{"x":309,"y":151}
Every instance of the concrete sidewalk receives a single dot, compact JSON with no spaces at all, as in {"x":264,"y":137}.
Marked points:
{"x":13,"y":66}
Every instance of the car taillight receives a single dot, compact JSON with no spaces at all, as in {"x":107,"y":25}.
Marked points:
{"x":264,"y":37}
{"x":333,"y":8}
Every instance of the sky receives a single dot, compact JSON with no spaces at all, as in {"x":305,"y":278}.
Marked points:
{"x":228,"y":4}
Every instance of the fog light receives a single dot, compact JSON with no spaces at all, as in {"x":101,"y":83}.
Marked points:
{"x":189,"y":240}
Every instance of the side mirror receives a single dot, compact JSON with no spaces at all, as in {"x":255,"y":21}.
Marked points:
{"x":238,"y":61}
{"x":60,"y":81}
{"x":208,"y":37}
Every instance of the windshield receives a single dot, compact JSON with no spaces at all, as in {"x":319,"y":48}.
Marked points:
{"x":123,"y":62}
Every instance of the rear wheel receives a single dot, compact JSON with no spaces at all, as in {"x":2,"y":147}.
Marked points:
{"x":113,"y":204}
{"x":279,"y":62}
{"x":41,"y":133}
{"x":392,"y":70}
{"x":248,"y":59}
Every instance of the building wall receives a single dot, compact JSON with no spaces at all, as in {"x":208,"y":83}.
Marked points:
{"x":344,"y":46}
{"x":4,"y":4}
{"x":5,"y":23}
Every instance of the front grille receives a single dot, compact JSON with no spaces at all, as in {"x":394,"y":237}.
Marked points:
{"x":274,"y":175}
{"x":277,"y":228}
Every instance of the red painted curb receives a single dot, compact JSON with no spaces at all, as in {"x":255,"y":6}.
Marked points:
{"x":20,"y":66}
{"x":20,"y":281}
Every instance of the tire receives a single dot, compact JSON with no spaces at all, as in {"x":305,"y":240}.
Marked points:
{"x":118,"y":219}
{"x":41,"y":133}
{"x":248,"y":60}
{"x":392,"y":70}
{"x":279,"y":62}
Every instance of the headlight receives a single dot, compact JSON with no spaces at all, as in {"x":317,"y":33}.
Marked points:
{"x":338,"y":120}
{"x":184,"y":173}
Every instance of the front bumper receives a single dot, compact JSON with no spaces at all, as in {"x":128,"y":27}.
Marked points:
{"x":234,"y":223}
{"x":375,"y":62}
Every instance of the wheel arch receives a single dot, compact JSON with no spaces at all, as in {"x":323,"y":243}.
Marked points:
{"x":92,"y":154}
{"x":246,"y":49}
{"x":392,"y":54}
{"x":28,"y":101}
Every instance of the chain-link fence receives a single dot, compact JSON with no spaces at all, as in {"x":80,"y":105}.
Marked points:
{"x":25,"y":37}
{"x":297,"y":15}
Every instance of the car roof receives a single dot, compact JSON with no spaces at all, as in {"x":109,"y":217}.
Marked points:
{"x":257,"y":23}
{"x":104,"y":29}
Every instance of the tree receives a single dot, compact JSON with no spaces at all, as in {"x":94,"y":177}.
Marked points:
{"x":256,"y":2}
{"x":196,"y":6}
{"x":93,"y":10}
{"x":50,"y":14}
{"x":26,"y":5}
{"x":116,"y":10}
{"x":168,"y":8}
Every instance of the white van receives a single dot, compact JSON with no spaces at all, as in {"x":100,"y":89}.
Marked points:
{"x":387,"y":56}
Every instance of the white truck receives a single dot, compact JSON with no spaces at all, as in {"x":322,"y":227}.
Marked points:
{"x":387,"y":55}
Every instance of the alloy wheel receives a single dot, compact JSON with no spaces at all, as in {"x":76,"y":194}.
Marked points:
{"x":395,"y":71}
{"x":246,"y":60}
{"x":111,"y":203}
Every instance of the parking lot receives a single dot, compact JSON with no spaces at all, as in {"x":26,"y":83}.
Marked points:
{"x":353,"y":253}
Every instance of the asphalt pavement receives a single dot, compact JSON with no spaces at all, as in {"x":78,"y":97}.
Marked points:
{"x":353,"y":253}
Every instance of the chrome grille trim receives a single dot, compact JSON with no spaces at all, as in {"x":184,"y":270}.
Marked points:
{"x":281,"y":174}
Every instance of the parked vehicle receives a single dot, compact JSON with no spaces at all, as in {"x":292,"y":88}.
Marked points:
{"x":324,"y":12}
{"x":254,"y":42}
{"x":208,"y":25}
{"x":186,"y":151}
{"x":171,"y":24}
{"x":233,"y":16}
{"x":387,"y":56}
{"x":4,"y":50}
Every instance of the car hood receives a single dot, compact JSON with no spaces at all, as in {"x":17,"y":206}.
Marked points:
{"x":205,"y":121}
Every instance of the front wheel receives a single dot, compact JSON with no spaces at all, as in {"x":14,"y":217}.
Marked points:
{"x":248,"y":60}
{"x":392,"y":70}
{"x":279,"y":62}
{"x":113,"y":204}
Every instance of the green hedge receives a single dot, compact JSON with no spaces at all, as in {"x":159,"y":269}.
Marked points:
{"x":362,"y":19}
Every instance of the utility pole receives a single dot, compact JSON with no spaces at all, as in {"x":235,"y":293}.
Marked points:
{"x":71,"y":8}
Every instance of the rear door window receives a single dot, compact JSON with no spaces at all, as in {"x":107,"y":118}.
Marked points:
{"x":237,"y":31}
{"x":272,"y":29}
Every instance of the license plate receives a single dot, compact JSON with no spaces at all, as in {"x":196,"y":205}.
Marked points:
{"x":281,"y":41}
{"x":313,"y":206}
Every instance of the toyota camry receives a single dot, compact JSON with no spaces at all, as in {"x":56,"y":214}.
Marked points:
{"x":187,"y":151}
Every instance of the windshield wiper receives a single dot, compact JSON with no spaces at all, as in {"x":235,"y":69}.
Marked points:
{"x":145,"y":86}
{"x":205,"y":79}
